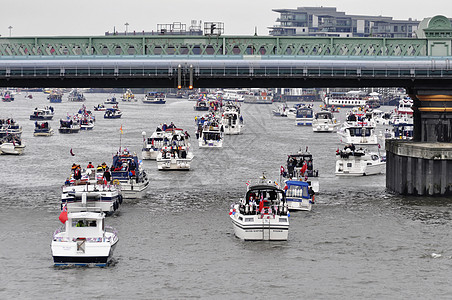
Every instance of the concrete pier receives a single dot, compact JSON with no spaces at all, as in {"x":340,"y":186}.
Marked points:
{"x":419,"y":168}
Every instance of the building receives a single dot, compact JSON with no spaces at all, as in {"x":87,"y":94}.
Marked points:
{"x":327,"y":21}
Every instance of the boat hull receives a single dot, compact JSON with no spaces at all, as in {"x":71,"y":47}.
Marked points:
{"x":154,"y":101}
{"x":174,"y":164}
{"x":43,"y":132}
{"x":97,"y":254}
{"x":134,"y":191}
{"x":262,"y":229}
{"x":360,"y":170}
{"x":299,"y":204}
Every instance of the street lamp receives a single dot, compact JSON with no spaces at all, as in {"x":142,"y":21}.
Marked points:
{"x":127,"y":26}
{"x":10,"y":27}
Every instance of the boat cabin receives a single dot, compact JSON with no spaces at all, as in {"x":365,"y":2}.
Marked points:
{"x":295,"y":163}
{"x":85,"y":224}
{"x":327,"y":115}
{"x":298,"y":189}
{"x":265,"y":199}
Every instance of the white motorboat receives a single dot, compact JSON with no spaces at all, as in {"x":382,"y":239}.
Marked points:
{"x":300,"y":166}
{"x":201,"y":105}
{"x":9,"y":126}
{"x":262,"y":215}
{"x":111,"y":100}
{"x":405,"y":106}
{"x":281,"y":110}
{"x":153,"y":144}
{"x":291,"y":113}
{"x":154,"y":98}
{"x":128,"y":171}
{"x":84,"y":240}
{"x":100,"y":107}
{"x":112,"y":113}
{"x":232,"y":120}
{"x":358,"y":162}
{"x":176,"y":153}
{"x":236,"y":95}
{"x":211,"y":135}
{"x":351,"y":98}
{"x":72,"y":125}
{"x":107,"y":197}
{"x":359,"y":133}
{"x":299,"y":195}
{"x":11,"y":145}
{"x":304,"y":115}
{"x":75,"y":96}
{"x":324,"y":121}
{"x":42,"y":129}
{"x":258,"y":96}
{"x":45,"y":113}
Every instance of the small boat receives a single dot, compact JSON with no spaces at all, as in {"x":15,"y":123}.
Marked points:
{"x":154,"y":98}
{"x":324,"y":121}
{"x":99,"y":107}
{"x":258,"y":96}
{"x":128,"y":171}
{"x":231,"y":120}
{"x":201,"y":105}
{"x":45,"y":113}
{"x":358,"y":162}
{"x":85,"y":239}
{"x":55,"y":96}
{"x":76,"y":96}
{"x":153,"y":144}
{"x":111,"y":100}
{"x":176,"y":152}
{"x":112,"y":113}
{"x":211,"y":134}
{"x":262,"y":215}
{"x":281,"y":110}
{"x":86,"y":124}
{"x":8,"y":96}
{"x":304,"y":115}
{"x":300,"y":166}
{"x":128,"y":96}
{"x":9,"y":127}
{"x":71,"y":125}
{"x":11,"y":144}
{"x":42,"y":129}
{"x":299,"y":195}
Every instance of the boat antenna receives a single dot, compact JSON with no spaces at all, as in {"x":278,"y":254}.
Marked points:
{"x":120,"y":136}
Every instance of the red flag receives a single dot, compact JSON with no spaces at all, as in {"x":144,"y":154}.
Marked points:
{"x":72,"y":153}
{"x":303,"y":169}
{"x":261,"y":205}
{"x":63,"y":215}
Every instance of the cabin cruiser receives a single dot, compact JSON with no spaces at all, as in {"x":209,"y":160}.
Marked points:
{"x":304,"y":115}
{"x":232,"y":120}
{"x":153,"y":144}
{"x":100,"y":107}
{"x":128,"y":171}
{"x":112,"y":113}
{"x":45,"y":113}
{"x":55,"y":96}
{"x":71,"y":125}
{"x":76,"y":96}
{"x":85,"y":239}
{"x":111,"y":100}
{"x":176,"y":152}
{"x":42,"y":129}
{"x":324,"y":121}
{"x":358,"y":162}
{"x":262,"y":215}
{"x":154,"y":98}
{"x":201,"y":105}
{"x":351,"y":98}
{"x":107,"y":197}
{"x":404,"y":106}
{"x":9,"y":127}
{"x":359,"y":128}
{"x":86,"y":123}
{"x":300,"y":166}
{"x":11,"y":144}
{"x":235,"y":95}
{"x":299,"y":195}
{"x":211,"y":133}
{"x":128,"y":96}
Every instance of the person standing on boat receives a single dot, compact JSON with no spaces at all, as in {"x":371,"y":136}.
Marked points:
{"x":90,"y":165}
{"x":107,"y":175}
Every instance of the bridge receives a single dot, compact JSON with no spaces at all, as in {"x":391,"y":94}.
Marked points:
{"x":421,"y":65}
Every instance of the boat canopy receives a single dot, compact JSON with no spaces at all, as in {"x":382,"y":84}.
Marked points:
{"x":293,"y":185}
{"x":266,"y":192}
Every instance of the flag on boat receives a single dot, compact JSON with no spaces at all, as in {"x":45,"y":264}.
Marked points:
{"x":63,"y":214}
{"x":281,"y":170}
{"x":120,"y":129}
{"x":304,"y":168}
{"x":72,"y":153}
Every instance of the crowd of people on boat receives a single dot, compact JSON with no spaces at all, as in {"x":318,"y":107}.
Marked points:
{"x":101,"y":174}
{"x":164,"y":127}
{"x":263,"y":203}
{"x":43,"y":125}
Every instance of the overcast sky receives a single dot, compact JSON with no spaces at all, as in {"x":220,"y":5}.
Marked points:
{"x":95,"y":17}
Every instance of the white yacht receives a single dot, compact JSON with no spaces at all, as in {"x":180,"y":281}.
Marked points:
{"x":359,"y":133}
{"x":42,"y":129}
{"x":358,"y":162}
{"x":262,"y":215}
{"x":128,"y":171}
{"x":84,"y":240}
{"x":154,"y":98}
{"x":105,"y":196}
{"x":231,"y":120}
{"x":299,"y":195}
{"x":153,"y":144}
{"x":12,"y":145}
{"x":324,"y":121}
{"x":350,"y":99}
{"x":304,"y":115}
{"x":176,"y":153}
{"x":45,"y":113}
{"x":211,"y":135}
{"x":71,"y":125}
{"x":234,"y":95}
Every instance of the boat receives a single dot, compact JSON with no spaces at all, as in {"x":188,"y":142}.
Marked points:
{"x":55,"y":96}
{"x":358,"y":162}
{"x":324,"y":121}
{"x":236,"y":95}
{"x":112,"y":113}
{"x":45,"y":113}
{"x":176,"y":152}
{"x":42,"y":129}
{"x":154,"y":98}
{"x":111,"y":100}
{"x":280,"y":110}
{"x":262,"y":215}
{"x":231,"y":120}
{"x":71,"y":125}
{"x":304,"y":115}
{"x":299,"y":195}
{"x":107,"y":197}
{"x":401,"y":130}
{"x":128,"y":171}
{"x":76,"y":96}
{"x":153,"y":144}
{"x":7,"y":96}
{"x":9,"y":127}
{"x":350,"y":99}
{"x":210,"y":133}
{"x":128,"y":96}
{"x":404,"y":106}
{"x":84,"y":240}
{"x":359,"y":128}
{"x":11,"y":144}
{"x":99,"y":107}
{"x":258,"y":96}
{"x":201,"y":105}
{"x":300,"y":166}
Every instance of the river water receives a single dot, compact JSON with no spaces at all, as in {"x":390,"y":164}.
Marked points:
{"x":358,"y":241}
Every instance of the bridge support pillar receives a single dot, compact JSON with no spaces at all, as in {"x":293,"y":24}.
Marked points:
{"x":423,"y":166}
